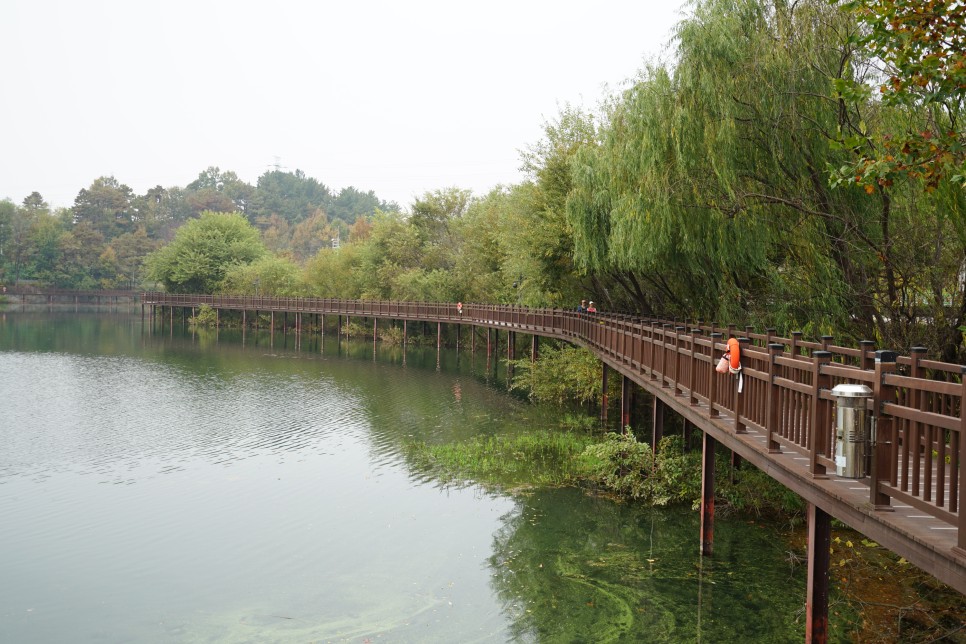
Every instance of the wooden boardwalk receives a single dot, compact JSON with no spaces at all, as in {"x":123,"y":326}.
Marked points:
{"x":783,"y":421}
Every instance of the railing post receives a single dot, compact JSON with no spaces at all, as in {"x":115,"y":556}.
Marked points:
{"x":693,"y":375}
{"x":740,"y":427}
{"x":652,"y":351}
{"x":713,"y":378}
{"x":678,"y":332}
{"x":664,"y":358}
{"x":819,"y":420}
{"x":954,"y":506}
{"x":773,"y":398}
{"x":796,"y":340}
{"x":883,"y":457}
{"x":912,"y":445}
{"x":867,"y":362}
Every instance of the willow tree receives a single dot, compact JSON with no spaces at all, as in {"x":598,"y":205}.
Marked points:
{"x":534,"y":228}
{"x":710,"y":185}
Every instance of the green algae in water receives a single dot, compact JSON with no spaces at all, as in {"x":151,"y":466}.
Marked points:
{"x":572,"y":568}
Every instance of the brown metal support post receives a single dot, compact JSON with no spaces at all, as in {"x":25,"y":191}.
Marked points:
{"x":489,"y":344}
{"x":627,"y":398}
{"x":439,"y":336}
{"x":883,"y":450}
{"x":707,"y":493}
{"x":819,"y":419}
{"x":816,"y":603}
{"x":603,"y":395}
{"x":657,"y":424}
{"x":713,"y":377}
{"x":534,"y":347}
{"x":773,"y":398}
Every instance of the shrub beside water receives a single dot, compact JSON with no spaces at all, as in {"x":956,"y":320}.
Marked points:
{"x":544,"y":457}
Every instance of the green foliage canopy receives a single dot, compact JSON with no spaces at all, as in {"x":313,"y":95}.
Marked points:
{"x":203,"y":251}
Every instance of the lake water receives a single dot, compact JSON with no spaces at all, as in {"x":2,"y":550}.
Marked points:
{"x":165,"y":486}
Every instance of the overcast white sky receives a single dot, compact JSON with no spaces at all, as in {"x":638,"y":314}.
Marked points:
{"x":399,"y":97}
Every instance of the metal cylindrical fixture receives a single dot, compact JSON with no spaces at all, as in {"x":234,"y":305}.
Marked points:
{"x":851,"y":430}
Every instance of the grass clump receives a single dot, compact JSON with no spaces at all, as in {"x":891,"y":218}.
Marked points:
{"x":544,"y":457}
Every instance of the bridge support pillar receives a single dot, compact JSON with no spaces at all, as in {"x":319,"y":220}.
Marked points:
{"x":534,"y":347}
{"x":816,"y":604}
{"x":707,"y":493}
{"x":603,"y":395}
{"x":657,"y":424}
{"x":627,"y":395}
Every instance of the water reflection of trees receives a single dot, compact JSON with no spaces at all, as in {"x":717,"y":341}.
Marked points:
{"x":570,"y":568}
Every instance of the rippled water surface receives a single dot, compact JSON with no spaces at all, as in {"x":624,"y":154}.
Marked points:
{"x":172,"y":487}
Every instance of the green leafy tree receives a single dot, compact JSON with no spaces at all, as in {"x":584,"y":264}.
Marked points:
{"x":267,"y":276}
{"x":44,"y":249}
{"x":922,"y":46}
{"x":293,"y":196}
{"x":217,"y":191}
{"x":127,"y":256}
{"x":107,"y":206}
{"x":351,"y":204}
{"x":78,"y":263}
{"x":203,"y":251}
{"x":7,"y":213}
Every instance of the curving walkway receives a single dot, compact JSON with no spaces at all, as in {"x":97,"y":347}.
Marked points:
{"x":783,"y":420}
